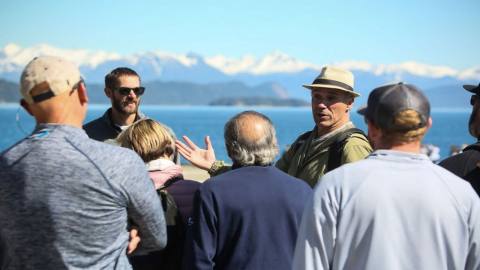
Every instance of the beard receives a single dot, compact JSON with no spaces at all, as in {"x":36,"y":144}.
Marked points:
{"x":122,"y":105}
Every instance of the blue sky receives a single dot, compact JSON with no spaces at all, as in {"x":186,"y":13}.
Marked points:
{"x":381,"y":32}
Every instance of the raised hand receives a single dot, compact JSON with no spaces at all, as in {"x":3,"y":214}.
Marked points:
{"x":201,"y":158}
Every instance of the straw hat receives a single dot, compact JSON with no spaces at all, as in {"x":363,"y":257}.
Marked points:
{"x":334,"y":78}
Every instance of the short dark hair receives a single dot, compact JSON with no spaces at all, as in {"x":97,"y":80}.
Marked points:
{"x":111,"y":79}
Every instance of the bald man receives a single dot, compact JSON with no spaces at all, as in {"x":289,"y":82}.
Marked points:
{"x":247,"y":218}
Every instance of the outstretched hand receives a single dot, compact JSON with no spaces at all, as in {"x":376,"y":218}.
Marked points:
{"x":201,"y":158}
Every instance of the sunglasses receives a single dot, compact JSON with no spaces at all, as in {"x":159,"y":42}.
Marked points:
{"x":125,"y":91}
{"x":474,"y":99}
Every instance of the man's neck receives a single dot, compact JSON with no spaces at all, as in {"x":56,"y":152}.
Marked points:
{"x":122,"y":119}
{"x":411,"y":147}
{"x":323,"y":132}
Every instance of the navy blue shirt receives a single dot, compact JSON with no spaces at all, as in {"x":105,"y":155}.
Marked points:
{"x":247,"y":218}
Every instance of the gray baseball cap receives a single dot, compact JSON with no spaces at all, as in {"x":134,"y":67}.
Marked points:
{"x":385,"y":102}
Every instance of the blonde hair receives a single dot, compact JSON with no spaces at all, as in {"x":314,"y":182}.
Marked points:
{"x":149,"y":139}
{"x":406,"y":128}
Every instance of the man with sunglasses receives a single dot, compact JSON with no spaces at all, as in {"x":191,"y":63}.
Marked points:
{"x":467,"y":164}
{"x":122,"y":86}
{"x":65,"y":199}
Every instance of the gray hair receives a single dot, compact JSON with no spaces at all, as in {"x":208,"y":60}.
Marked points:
{"x":250,"y":139}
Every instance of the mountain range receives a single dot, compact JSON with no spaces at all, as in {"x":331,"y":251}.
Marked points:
{"x":196,"y":80}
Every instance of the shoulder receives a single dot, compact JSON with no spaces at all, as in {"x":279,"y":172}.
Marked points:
{"x":304,"y":136}
{"x":185,"y":185}
{"x":94,"y":123}
{"x":460,"y":189}
{"x":261,"y":177}
{"x":111,"y":159}
{"x":356,"y":147}
{"x":462,"y":160}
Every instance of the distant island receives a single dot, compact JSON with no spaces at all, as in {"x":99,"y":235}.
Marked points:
{"x":184,"y":93}
{"x":259,"y":101}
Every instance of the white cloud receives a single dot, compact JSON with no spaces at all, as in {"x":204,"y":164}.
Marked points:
{"x":16,"y":55}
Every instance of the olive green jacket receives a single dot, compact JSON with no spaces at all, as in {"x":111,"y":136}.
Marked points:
{"x":307,"y":158}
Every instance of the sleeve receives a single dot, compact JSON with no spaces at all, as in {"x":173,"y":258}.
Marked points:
{"x":473,"y":257}
{"x":356,"y":149}
{"x":316,"y":237}
{"x":145,"y":209}
{"x":200,"y":246}
{"x":219,"y":167}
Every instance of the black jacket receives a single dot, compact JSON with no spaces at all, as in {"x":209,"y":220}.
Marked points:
{"x":466,"y":165}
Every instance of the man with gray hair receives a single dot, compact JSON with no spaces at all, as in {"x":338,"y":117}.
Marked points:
{"x":247,"y":218}
{"x":65,"y":199}
{"x":332,"y":142}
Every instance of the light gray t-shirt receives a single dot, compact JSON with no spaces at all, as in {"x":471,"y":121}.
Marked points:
{"x":65,"y":200}
{"x":394,"y":210}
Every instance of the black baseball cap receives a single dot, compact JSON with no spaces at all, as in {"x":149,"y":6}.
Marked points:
{"x":472,"y":88}
{"x":385,"y":102}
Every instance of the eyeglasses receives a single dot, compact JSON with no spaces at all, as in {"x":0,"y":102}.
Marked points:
{"x":125,"y":91}
{"x":474,"y":99}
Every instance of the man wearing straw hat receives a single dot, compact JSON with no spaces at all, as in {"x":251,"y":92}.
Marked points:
{"x":332,"y":142}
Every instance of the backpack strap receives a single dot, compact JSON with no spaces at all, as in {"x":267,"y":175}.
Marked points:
{"x":300,"y":141}
{"x":335,"y":151}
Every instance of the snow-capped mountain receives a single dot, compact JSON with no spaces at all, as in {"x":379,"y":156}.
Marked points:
{"x":277,"y":67}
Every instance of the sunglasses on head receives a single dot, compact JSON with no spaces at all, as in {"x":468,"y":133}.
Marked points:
{"x":125,"y":91}
{"x":474,"y":99}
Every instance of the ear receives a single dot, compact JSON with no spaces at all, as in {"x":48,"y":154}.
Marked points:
{"x":26,"y":106}
{"x":82,"y":93}
{"x":349,"y":101}
{"x":374,"y":133}
{"x":429,"y":123}
{"x":108,"y":92}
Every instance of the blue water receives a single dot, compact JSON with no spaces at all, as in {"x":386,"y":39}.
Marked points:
{"x":449,"y":126}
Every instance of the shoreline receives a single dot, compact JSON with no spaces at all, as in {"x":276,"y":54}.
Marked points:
{"x":191,"y":172}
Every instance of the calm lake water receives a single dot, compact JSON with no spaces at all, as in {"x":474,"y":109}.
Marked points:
{"x":449,"y":126}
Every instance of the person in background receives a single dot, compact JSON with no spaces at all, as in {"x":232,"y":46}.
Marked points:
{"x":154,"y":144}
{"x":332,"y":142}
{"x":395,"y":209}
{"x":123,"y":88}
{"x":65,"y":199}
{"x":247,"y":218}
{"x":467,"y":164}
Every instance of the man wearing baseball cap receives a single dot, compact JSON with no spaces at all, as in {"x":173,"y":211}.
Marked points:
{"x":467,"y":164}
{"x":395,"y":209}
{"x":332,"y":142}
{"x":64,"y":198}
